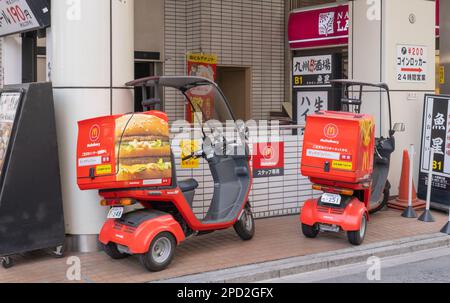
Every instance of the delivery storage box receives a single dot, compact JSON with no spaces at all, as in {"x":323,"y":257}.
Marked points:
{"x":338,"y":146}
{"x":124,"y":151}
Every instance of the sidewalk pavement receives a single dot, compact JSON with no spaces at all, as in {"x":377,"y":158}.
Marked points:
{"x":276,"y":239}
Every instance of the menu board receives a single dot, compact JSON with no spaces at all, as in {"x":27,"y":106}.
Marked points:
{"x":9,"y":103}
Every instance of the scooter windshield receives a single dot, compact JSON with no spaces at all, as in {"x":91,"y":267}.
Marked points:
{"x":208,"y":104}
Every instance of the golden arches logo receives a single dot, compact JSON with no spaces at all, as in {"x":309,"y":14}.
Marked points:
{"x":331,"y":131}
{"x":94,"y":133}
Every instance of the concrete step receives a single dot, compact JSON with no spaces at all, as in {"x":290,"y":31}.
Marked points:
{"x":298,"y":265}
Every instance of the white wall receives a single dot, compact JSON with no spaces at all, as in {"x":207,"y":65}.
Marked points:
{"x":373,"y":55}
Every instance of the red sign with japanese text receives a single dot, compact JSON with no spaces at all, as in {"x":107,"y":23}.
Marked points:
{"x":268,"y":159}
{"x":324,"y":26}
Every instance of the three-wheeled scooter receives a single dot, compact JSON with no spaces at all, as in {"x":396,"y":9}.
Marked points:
{"x":343,"y":159}
{"x":168,"y":217}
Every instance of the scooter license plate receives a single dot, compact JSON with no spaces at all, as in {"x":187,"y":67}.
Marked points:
{"x":115,"y":213}
{"x":331,"y":199}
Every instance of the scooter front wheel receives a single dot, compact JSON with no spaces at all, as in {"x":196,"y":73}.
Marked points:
{"x":160,"y":254}
{"x":245,"y":227}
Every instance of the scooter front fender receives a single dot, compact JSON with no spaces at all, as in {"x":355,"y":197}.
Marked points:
{"x":138,"y":239}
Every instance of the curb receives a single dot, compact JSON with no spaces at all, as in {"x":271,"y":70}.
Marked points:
{"x":303,"y":264}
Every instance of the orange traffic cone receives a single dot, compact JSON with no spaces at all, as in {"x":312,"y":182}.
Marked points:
{"x":401,"y":203}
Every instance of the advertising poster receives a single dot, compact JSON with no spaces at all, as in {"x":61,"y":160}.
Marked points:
{"x":412,"y":63}
{"x":201,"y":65}
{"x":436,"y":136}
{"x":124,"y":151}
{"x":188,"y":147}
{"x":9,"y":104}
{"x":268,"y":159}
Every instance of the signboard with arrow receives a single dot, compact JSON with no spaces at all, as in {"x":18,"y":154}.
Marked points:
{"x":412,"y":63}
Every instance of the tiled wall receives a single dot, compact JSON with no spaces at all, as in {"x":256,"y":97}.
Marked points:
{"x":274,"y":196}
{"x":245,"y":33}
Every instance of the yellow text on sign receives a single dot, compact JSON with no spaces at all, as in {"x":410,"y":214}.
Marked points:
{"x":103,"y":169}
{"x":342,"y":165}
{"x":441,"y":75}
{"x":187,"y":148}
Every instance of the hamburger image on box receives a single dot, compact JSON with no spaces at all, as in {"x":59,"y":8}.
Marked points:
{"x":142,"y":147}
{"x":125,"y":151}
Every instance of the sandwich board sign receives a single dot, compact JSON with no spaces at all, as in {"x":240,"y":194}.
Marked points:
{"x":436,"y":136}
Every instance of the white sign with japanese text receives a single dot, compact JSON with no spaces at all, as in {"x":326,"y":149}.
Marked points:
{"x":412,"y":63}
{"x":312,"y":65}
{"x":310,"y":102}
{"x":16,"y":16}
{"x":436,"y":135}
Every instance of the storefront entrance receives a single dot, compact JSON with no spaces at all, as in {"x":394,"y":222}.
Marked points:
{"x":235,"y":83}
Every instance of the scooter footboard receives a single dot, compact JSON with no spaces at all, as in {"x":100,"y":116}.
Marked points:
{"x":136,"y":230}
{"x":348,"y":218}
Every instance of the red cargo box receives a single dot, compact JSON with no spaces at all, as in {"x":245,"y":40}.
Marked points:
{"x":339,"y":147}
{"x":124,"y":151}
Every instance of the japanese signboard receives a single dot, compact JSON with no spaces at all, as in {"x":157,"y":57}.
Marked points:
{"x":268,"y":159}
{"x":9,"y":103}
{"x":412,"y":63}
{"x":318,"y":27}
{"x":309,"y":102}
{"x":201,"y":65}
{"x":17,"y":16}
{"x":312,"y":70}
{"x":436,"y":136}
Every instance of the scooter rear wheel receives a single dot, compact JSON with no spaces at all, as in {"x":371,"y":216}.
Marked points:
{"x":112,"y":251}
{"x":245,"y":227}
{"x":310,"y":231}
{"x":7,"y":262}
{"x":357,"y":237}
{"x":160,"y":254}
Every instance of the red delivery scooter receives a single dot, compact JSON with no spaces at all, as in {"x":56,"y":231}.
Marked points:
{"x":343,"y":159}
{"x":129,"y":158}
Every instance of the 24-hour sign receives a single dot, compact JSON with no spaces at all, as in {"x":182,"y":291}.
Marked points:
{"x":18,"y":16}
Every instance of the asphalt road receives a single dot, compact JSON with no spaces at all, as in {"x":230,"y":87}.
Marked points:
{"x":432,"y":266}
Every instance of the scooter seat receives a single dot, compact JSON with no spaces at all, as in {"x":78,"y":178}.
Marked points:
{"x":188,"y":185}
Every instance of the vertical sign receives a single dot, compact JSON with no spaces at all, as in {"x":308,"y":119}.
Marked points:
{"x":201,"y":65}
{"x":310,"y":102}
{"x":9,"y":103}
{"x":436,"y":136}
{"x":412,"y":63}
{"x":268,"y":159}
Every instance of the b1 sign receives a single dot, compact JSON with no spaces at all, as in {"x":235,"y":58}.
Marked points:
{"x":325,"y":26}
{"x":18,"y":16}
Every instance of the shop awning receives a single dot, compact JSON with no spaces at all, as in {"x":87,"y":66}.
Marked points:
{"x":319,"y":26}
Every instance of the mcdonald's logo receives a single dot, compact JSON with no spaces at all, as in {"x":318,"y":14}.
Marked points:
{"x":331,"y":131}
{"x":268,"y":152}
{"x":94,"y":133}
